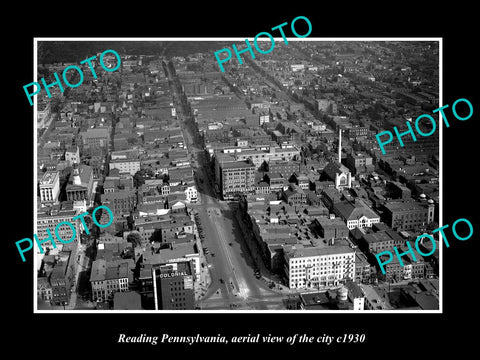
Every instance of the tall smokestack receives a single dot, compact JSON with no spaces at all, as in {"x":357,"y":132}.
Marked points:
{"x":340,"y":146}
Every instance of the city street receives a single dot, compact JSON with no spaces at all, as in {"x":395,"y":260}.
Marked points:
{"x":233,"y":283}
{"x":232,"y":268}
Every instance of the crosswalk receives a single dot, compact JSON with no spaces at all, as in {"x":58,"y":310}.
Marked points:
{"x":218,"y":301}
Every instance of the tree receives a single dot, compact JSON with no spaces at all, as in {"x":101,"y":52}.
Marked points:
{"x":156,"y":236}
{"x":135,"y":238}
{"x":138,"y":179}
{"x":306,"y":151}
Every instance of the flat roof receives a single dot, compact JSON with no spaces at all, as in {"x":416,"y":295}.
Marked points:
{"x":49,"y":178}
{"x":403,"y":206}
{"x":236,"y":164}
{"x":319,"y":251}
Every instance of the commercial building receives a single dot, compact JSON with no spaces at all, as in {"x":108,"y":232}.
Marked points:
{"x":191,"y":194}
{"x":320,"y":266}
{"x":397,"y":190}
{"x":354,"y":132}
{"x":169,"y":228}
{"x":96,"y":137}
{"x":356,"y":214}
{"x":235,"y":178}
{"x":285,"y":168}
{"x":326,"y":106}
{"x":408,"y":215}
{"x":355,"y":295}
{"x":276,"y":181}
{"x":413,"y":266}
{"x":126,"y":161}
{"x":60,"y":284}
{"x":359,"y":163}
{"x":363,"y":269}
{"x":72,"y":155}
{"x":49,"y":187}
{"x":50,"y":218}
{"x":130,"y":166}
{"x":44,"y":290}
{"x":173,"y":286}
{"x":294,"y":195}
{"x":373,"y":301}
{"x":121,"y":202}
{"x":331,"y":228}
{"x":377,"y":239}
{"x":176,"y":252}
{"x":109,"y":277}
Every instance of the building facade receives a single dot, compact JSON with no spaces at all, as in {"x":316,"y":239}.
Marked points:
{"x":97,"y":137}
{"x":408,"y":215}
{"x":285,"y":168}
{"x":359,"y":163}
{"x":50,"y":219}
{"x":356,"y":214}
{"x":121,"y":202}
{"x":236,"y":178}
{"x":173,"y":286}
{"x":109,"y":277}
{"x":130,"y":166}
{"x":72,"y":155}
{"x":82,"y":184}
{"x":319,"y":267}
{"x":191,"y":195}
{"x":49,"y":187}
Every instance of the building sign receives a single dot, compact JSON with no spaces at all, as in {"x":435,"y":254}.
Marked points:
{"x":173,"y":274}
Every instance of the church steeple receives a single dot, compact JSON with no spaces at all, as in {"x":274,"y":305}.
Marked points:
{"x":340,"y":146}
{"x":76,"y":175}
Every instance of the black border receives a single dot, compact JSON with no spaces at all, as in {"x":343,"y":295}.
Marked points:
{"x":92,"y":334}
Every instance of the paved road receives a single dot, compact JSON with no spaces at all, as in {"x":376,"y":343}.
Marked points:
{"x":231,"y":268}
{"x":232,"y":260}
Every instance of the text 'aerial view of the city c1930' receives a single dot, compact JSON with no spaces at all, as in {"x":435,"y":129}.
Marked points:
{"x":258,"y":188}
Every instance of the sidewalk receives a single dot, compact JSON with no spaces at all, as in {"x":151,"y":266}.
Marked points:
{"x":202,"y":284}
{"x":255,"y":255}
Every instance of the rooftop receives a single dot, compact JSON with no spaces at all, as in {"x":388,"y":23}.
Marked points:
{"x":237,"y":165}
{"x":49,"y":178}
{"x":179,"y":251}
{"x":354,"y":211}
{"x":127,"y":301}
{"x":298,"y":252}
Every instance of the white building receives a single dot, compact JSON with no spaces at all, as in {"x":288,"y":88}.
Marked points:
{"x":72,"y":155}
{"x":356,"y":214}
{"x":297,"y":67}
{"x":356,"y":296}
{"x":191,"y":194}
{"x":319,"y":267}
{"x":49,"y":187}
{"x":264,"y":118}
{"x":125,"y":166}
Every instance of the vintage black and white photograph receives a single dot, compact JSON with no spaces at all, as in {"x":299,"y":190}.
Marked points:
{"x":238,"y":175}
